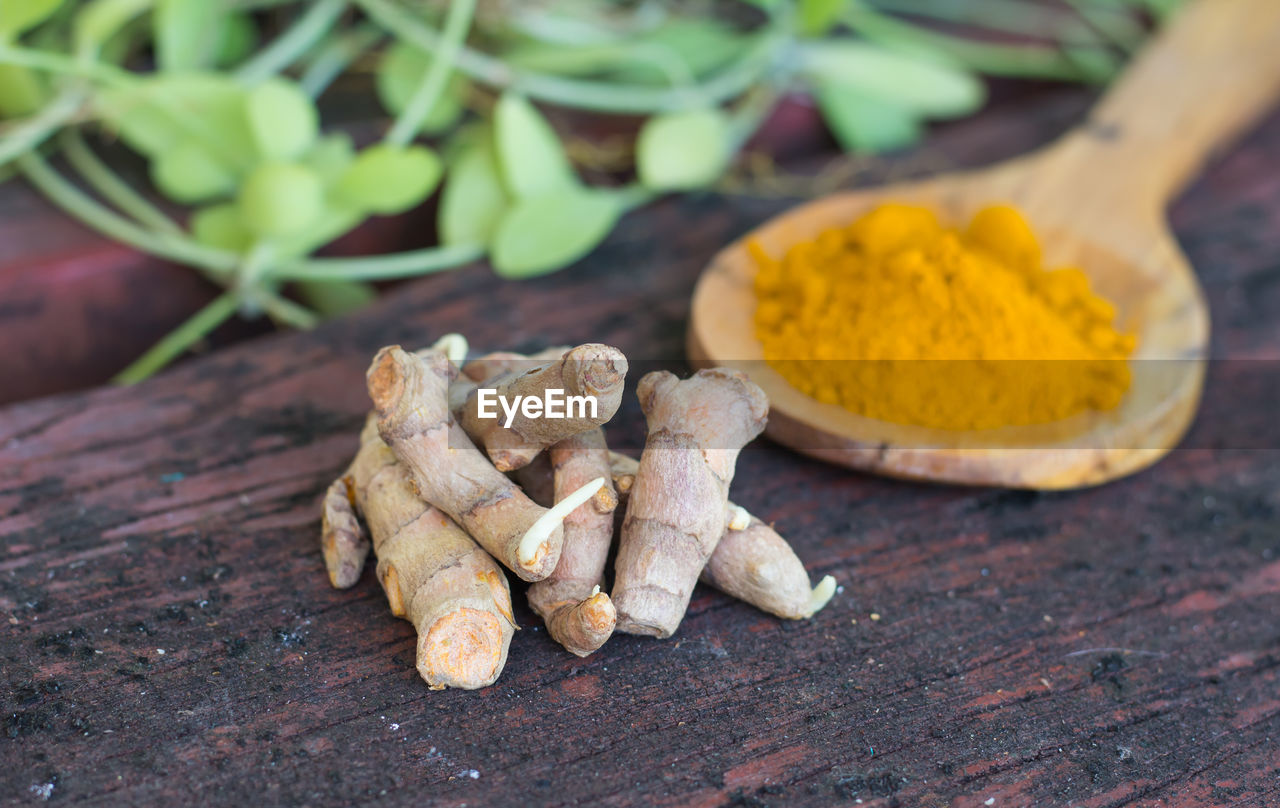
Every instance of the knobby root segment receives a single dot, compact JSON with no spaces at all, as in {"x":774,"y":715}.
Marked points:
{"x":757,"y":566}
{"x":433,"y":574}
{"x":499,"y":363}
{"x":677,"y":508}
{"x":588,"y":371}
{"x":343,"y":542}
{"x":410,"y":395}
{"x":753,"y":563}
{"x":578,"y":615}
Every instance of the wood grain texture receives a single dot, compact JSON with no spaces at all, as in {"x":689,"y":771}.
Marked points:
{"x":183,"y":514}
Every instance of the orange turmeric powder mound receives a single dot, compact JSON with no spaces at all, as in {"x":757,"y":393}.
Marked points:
{"x":898,"y":318}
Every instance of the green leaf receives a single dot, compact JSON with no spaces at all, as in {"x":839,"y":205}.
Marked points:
{"x":402,"y":69}
{"x":678,"y":51}
{"x":532,"y":160}
{"x":921,"y":86}
{"x":463,"y":138}
{"x":142,"y":122}
{"x":866,"y":123}
{"x":569,"y":60}
{"x":701,"y":45}
{"x":332,"y":222}
{"x":473,"y":199}
{"x":153,"y":115}
{"x":17,"y":16}
{"x":280,"y":199}
{"x":389,"y":179}
{"x":185,"y":37}
{"x":819,"y":16}
{"x":234,"y":40}
{"x":331,"y":156}
{"x":544,"y":233}
{"x":220,"y":226}
{"x":682,"y":150}
{"x":186,"y":172}
{"x":337,"y":297}
{"x":282,"y":118}
{"x":22,"y":92}
{"x":98,"y":20}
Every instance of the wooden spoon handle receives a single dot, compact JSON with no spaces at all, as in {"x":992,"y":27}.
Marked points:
{"x":1207,"y":75}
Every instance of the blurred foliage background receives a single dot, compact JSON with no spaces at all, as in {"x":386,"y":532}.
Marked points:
{"x":223,"y":99}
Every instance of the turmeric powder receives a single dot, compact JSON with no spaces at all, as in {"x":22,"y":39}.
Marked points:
{"x":937,"y":327}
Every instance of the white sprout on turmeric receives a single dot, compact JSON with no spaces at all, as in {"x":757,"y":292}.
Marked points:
{"x":541,"y":530}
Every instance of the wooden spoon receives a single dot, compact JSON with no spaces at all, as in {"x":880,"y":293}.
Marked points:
{"x":1096,"y":198}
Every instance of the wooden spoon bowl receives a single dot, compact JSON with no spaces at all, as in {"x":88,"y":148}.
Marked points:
{"x":1096,"y":199}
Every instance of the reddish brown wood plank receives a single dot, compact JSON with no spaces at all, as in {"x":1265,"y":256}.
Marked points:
{"x":181,"y":516}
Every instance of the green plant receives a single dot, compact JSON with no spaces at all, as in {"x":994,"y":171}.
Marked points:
{"x":231,"y":130}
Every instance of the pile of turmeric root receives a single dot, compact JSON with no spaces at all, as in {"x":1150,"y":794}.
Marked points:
{"x":443,"y":496}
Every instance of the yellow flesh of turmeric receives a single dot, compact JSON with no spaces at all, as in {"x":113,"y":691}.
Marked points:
{"x":938,"y":327}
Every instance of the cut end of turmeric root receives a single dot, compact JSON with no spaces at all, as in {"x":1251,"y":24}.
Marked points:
{"x":583,"y":627}
{"x":596,"y":369}
{"x":465,"y":648}
{"x":648,"y":611}
{"x":386,"y":378}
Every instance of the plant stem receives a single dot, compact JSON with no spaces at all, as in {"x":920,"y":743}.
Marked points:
{"x":424,"y":98}
{"x":1005,"y":16}
{"x":336,"y":56}
{"x":633,"y":196}
{"x":98,"y":22}
{"x":286,"y":311}
{"x":218,"y":264}
{"x":287,"y":47}
{"x":112,"y":187}
{"x":1121,"y":30}
{"x":1024,"y":61}
{"x":568,"y":27}
{"x":179,"y":339}
{"x":382,"y":267}
{"x":51,"y":62}
{"x":254,"y":5}
{"x":601,"y":96}
{"x":30,"y":133}
{"x":752,"y":113}
{"x":248,"y":279}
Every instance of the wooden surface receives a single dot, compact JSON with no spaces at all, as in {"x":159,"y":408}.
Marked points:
{"x":181,"y":516}
{"x":1096,"y":198}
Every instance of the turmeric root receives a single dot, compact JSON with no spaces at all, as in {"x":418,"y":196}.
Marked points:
{"x":677,"y":510}
{"x":590,"y":376}
{"x":500,"y":363}
{"x":410,"y":394}
{"x":433,"y":574}
{"x":578,"y":615}
{"x":751,"y":562}
{"x":491,"y":366}
{"x":343,"y":542}
{"x":757,"y":566}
